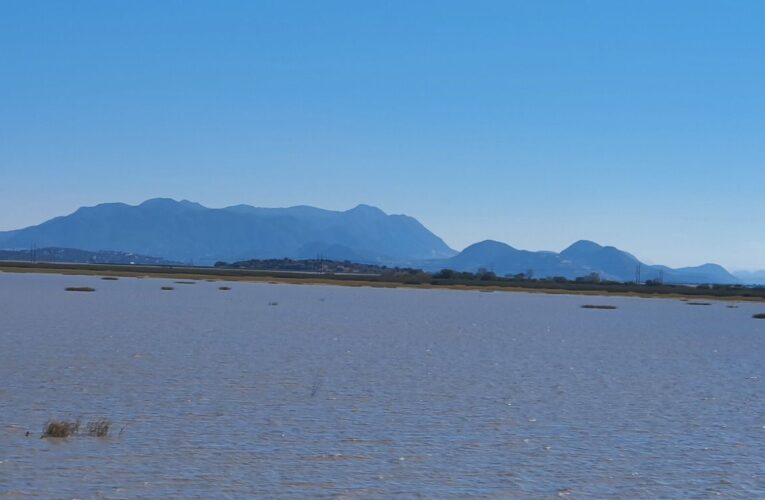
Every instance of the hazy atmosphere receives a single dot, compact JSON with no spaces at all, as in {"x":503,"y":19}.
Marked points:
{"x":638,"y":125}
{"x":394,"y":249}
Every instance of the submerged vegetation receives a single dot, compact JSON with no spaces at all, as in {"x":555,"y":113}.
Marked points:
{"x":699,"y":303}
{"x":60,"y":429}
{"x":759,"y":316}
{"x":224,"y":288}
{"x":65,"y":429}
{"x":168,"y":288}
{"x":109,"y":278}
{"x":598,"y":306}
{"x":80,"y":289}
{"x":98,"y":428}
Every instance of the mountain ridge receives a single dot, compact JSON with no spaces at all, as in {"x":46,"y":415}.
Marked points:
{"x":189,"y":232}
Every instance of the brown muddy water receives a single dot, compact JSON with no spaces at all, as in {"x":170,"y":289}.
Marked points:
{"x":312,"y":391}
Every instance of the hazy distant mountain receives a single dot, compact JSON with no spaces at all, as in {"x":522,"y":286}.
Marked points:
{"x":610,"y":262}
{"x":504,"y":259}
{"x":619,"y":265}
{"x":580,"y":259}
{"x":187,"y":231}
{"x":751,"y":277}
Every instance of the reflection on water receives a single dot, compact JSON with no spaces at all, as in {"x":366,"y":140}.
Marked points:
{"x":375,"y":392}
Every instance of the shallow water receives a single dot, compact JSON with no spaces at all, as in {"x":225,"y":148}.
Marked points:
{"x":375,"y":392}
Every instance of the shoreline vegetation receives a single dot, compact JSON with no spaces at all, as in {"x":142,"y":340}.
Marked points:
{"x":449,"y":280}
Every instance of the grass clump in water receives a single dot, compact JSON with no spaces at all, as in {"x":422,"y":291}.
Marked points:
{"x":60,"y":429}
{"x":273,"y":303}
{"x":109,"y":278}
{"x":186,"y":282}
{"x":759,"y":316}
{"x":224,"y":288}
{"x":699,"y":303}
{"x":98,"y":428}
{"x":80,"y":289}
{"x":167,"y":288}
{"x":598,"y":306}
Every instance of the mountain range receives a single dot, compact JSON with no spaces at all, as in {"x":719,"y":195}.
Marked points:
{"x":580,"y":259}
{"x":751,"y":277}
{"x":185,"y":231}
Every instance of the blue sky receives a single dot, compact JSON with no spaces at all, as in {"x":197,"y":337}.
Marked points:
{"x":537,"y":123}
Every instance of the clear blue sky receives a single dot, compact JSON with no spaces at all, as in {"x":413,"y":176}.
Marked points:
{"x":634,"y":123}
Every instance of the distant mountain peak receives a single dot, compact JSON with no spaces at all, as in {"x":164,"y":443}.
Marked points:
{"x":486,"y":244}
{"x":583,"y":246}
{"x":169,"y":203}
{"x":366,"y":209}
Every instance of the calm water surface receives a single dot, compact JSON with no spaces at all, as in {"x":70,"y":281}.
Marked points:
{"x":363,"y":392}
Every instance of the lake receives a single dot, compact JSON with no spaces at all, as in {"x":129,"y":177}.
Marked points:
{"x":295,"y":390}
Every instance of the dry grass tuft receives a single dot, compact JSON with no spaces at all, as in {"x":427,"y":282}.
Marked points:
{"x":60,"y":429}
{"x":597,"y":306}
{"x":65,"y":429}
{"x":80,"y":289}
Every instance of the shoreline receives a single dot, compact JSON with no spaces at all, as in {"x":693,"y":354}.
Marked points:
{"x":295,"y":278}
